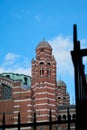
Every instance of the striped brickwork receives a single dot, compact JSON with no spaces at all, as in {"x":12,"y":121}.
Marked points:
{"x":43,"y":95}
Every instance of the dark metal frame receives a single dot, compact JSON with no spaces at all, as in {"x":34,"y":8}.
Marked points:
{"x":80,"y":82}
{"x":34,"y":124}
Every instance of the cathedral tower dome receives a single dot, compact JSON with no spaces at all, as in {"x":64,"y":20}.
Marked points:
{"x":61,"y":83}
{"x":43,"y":50}
{"x":44,"y":44}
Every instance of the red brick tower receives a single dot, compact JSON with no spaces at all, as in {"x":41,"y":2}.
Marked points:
{"x":44,"y":82}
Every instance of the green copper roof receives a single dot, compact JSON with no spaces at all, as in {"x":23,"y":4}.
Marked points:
{"x":26,"y":80}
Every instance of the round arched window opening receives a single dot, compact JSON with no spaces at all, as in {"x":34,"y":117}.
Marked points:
{"x":41,"y":63}
{"x":48,"y":63}
{"x":6,"y":92}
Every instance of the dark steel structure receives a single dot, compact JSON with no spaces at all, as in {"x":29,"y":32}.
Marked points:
{"x":80,"y":82}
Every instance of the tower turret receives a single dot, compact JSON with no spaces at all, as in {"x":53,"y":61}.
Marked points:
{"x":44,"y":82}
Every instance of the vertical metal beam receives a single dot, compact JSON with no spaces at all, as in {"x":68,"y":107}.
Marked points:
{"x":75,"y":36}
{"x":34,"y":120}
{"x":50,"y":120}
{"x":80,"y":82}
{"x":68,"y":118}
{"x":19,"y":121}
{"x":3,"y":121}
{"x":75,"y":57}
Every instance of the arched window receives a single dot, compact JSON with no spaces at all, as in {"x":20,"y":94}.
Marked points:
{"x":74,"y":116}
{"x":58,"y":97}
{"x":6,"y":92}
{"x":41,"y":63}
{"x":25,"y":80}
{"x":48,"y":72}
{"x":69,"y":117}
{"x":64,"y":117}
{"x":41,"y":72}
{"x":59,"y":117}
{"x":64,"y":97}
{"x":48,"y":63}
{"x":42,"y":49}
{"x":8,"y":76}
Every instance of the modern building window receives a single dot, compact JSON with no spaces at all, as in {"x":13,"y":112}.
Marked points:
{"x":6,"y":92}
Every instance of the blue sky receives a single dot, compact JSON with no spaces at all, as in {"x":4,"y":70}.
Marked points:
{"x":24,"y":23}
